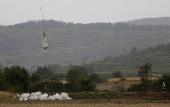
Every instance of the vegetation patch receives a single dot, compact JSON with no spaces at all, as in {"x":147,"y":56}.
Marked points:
{"x":8,"y":96}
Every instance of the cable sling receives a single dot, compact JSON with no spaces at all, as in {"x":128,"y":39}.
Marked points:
{"x":44,"y":40}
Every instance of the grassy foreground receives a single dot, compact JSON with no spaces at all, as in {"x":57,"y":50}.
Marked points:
{"x":84,"y":105}
{"x":87,"y":99}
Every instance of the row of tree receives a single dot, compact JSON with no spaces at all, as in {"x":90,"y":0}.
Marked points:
{"x":17,"y":79}
{"x":90,"y":26}
{"x":55,"y":70}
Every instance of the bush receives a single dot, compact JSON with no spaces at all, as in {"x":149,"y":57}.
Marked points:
{"x":118,"y":87}
{"x":35,"y":77}
{"x":95,"y":77}
{"x":86,"y":84}
{"x":165,"y":78}
{"x":117,"y":74}
{"x":47,"y":86}
{"x":2,"y":81}
{"x":97,"y":95}
{"x":122,"y":79}
{"x":17,"y":77}
{"x":154,"y":86}
{"x":78,"y":83}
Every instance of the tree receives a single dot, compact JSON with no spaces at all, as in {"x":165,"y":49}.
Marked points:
{"x":2,"y":81}
{"x":53,"y":67}
{"x":95,"y":77}
{"x":60,"y":75}
{"x":73,"y":82}
{"x":80,"y":70}
{"x":86,"y":84}
{"x":35,"y":77}
{"x":134,"y":49}
{"x":33,"y":67}
{"x":53,"y":79}
{"x":83,"y":63}
{"x":89,"y":68}
{"x":144,"y":71}
{"x":69,"y":25}
{"x":17,"y":76}
{"x":117,"y":74}
{"x":1,"y":67}
{"x":45,"y":72}
{"x":77,"y":83}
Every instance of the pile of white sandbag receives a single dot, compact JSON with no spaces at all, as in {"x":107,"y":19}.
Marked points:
{"x":45,"y":96}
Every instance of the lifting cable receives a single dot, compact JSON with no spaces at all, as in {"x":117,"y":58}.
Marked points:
{"x":44,"y":40}
{"x":42,"y":18}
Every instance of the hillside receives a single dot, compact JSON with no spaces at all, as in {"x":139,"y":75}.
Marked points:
{"x":71,"y":43}
{"x":158,"y":56}
{"x":129,"y":63}
{"x":151,"y":21}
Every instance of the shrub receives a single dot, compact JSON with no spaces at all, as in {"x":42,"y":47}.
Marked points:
{"x":117,"y":74}
{"x":79,"y":83}
{"x":122,"y":79}
{"x":47,"y":86}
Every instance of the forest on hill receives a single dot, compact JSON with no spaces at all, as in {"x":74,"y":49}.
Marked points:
{"x":71,"y":43}
{"x":151,"y":21}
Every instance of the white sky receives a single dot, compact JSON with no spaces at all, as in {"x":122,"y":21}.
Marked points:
{"x":82,"y":11}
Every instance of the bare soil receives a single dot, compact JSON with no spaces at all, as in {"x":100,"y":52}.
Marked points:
{"x":131,"y":80}
{"x":109,"y":86}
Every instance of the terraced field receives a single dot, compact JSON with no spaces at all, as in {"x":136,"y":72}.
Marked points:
{"x":129,"y":64}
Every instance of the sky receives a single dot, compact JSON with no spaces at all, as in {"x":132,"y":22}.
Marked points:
{"x":81,"y":11}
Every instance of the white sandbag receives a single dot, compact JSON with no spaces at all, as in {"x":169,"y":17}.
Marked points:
{"x":34,"y":97}
{"x":24,"y":96}
{"x":44,"y":42}
{"x":57,"y":96}
{"x":64,"y":96}
{"x":43,"y":97}
{"x":68,"y":98}
{"x":40,"y":96}
{"x":51,"y":98}
{"x":37,"y":93}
